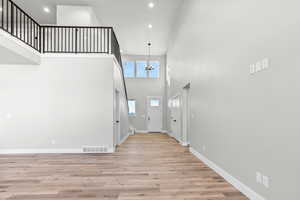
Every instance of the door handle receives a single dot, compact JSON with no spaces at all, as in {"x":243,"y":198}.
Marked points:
{"x":148,"y":118}
{"x":117,"y":121}
{"x":174,"y":120}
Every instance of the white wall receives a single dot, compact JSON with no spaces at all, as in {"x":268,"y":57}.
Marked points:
{"x":76,"y":16}
{"x":64,"y":103}
{"x":123,"y":107}
{"x":140,"y":88}
{"x":14,"y":51}
{"x":247,"y":123}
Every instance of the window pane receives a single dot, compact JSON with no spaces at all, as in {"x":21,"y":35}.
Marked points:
{"x":141,"y":69}
{"x":128,"y":69}
{"x":131,"y":105}
{"x":155,"y":72}
{"x":154,"y":102}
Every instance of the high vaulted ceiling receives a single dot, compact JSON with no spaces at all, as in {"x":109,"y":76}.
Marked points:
{"x":130,"y":19}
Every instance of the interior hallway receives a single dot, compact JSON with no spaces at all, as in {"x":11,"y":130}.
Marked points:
{"x":146,"y":166}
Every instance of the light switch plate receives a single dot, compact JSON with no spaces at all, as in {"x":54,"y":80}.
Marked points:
{"x":258,"y":177}
{"x":265,"y":181}
{"x":258,"y":67}
{"x":265,"y":63}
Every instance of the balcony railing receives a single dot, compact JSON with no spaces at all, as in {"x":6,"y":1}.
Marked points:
{"x":74,"y":39}
{"x":19,"y":24}
{"x":58,"y":39}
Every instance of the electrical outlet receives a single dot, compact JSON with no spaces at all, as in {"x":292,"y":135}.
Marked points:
{"x":265,"y":181}
{"x":204,"y":148}
{"x":265,"y":63}
{"x":258,"y":177}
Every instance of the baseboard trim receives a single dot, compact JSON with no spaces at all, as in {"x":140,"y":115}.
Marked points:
{"x":124,"y":139}
{"x":251,"y":194}
{"x":185,"y":144}
{"x":141,"y":131}
{"x":146,"y":131}
{"x":46,"y":151}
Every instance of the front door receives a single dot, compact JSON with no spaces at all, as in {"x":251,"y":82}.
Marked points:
{"x":154,"y":114}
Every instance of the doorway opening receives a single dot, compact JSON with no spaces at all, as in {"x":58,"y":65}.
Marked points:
{"x":180,"y":116}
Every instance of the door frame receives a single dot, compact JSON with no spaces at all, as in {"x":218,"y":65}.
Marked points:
{"x":186,"y":109}
{"x":117,"y":117}
{"x":147,"y":114}
{"x":179,"y":96}
{"x":184,"y":96}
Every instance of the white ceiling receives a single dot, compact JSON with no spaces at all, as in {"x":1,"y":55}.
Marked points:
{"x":130,"y":19}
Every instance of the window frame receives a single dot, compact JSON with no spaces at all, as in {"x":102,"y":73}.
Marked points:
{"x":134,"y":68}
{"x":137,"y":70}
{"x":148,"y":73}
{"x":132,"y":114}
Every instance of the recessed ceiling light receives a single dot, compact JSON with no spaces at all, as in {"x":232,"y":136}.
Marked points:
{"x":46,"y":9}
{"x":151,"y":5}
{"x":150,"y":26}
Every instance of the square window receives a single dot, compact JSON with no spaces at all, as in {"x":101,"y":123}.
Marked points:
{"x":128,"y":69}
{"x":155,"y":72}
{"x":141,"y":69}
{"x":131,"y":105}
{"x":154,"y":102}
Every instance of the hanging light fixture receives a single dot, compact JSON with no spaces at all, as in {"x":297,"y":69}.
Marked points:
{"x":149,"y":67}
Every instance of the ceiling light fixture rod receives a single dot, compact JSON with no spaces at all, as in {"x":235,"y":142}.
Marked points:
{"x":149,"y":67}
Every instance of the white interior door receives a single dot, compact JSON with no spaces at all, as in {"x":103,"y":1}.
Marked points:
{"x":176,"y":108}
{"x":117,"y":118}
{"x":186,"y":115}
{"x":154,"y":114}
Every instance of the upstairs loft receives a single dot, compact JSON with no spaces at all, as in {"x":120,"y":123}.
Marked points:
{"x":41,"y":39}
{"x":57,"y":39}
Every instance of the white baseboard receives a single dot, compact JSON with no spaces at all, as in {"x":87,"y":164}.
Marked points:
{"x":124,"y":139}
{"x":185,"y":144}
{"x":141,"y":131}
{"x":46,"y":151}
{"x":131,"y":132}
{"x":146,"y":131}
{"x":251,"y":194}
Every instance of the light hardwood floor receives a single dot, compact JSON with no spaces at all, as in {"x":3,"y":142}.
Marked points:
{"x":145,"y":167}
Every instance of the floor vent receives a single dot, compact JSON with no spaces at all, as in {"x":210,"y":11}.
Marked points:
{"x":90,"y":149}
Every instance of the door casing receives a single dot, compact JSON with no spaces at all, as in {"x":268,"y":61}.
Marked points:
{"x":117,"y":116}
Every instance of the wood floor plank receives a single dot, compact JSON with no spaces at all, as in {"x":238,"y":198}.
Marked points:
{"x":145,"y":167}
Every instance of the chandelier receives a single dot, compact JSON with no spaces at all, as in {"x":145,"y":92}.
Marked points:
{"x":149,"y":67}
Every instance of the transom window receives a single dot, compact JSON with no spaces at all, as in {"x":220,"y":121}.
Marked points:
{"x":137,"y":69}
{"x":154,"y":102}
{"x":129,"y":69}
{"x":141,"y":71}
